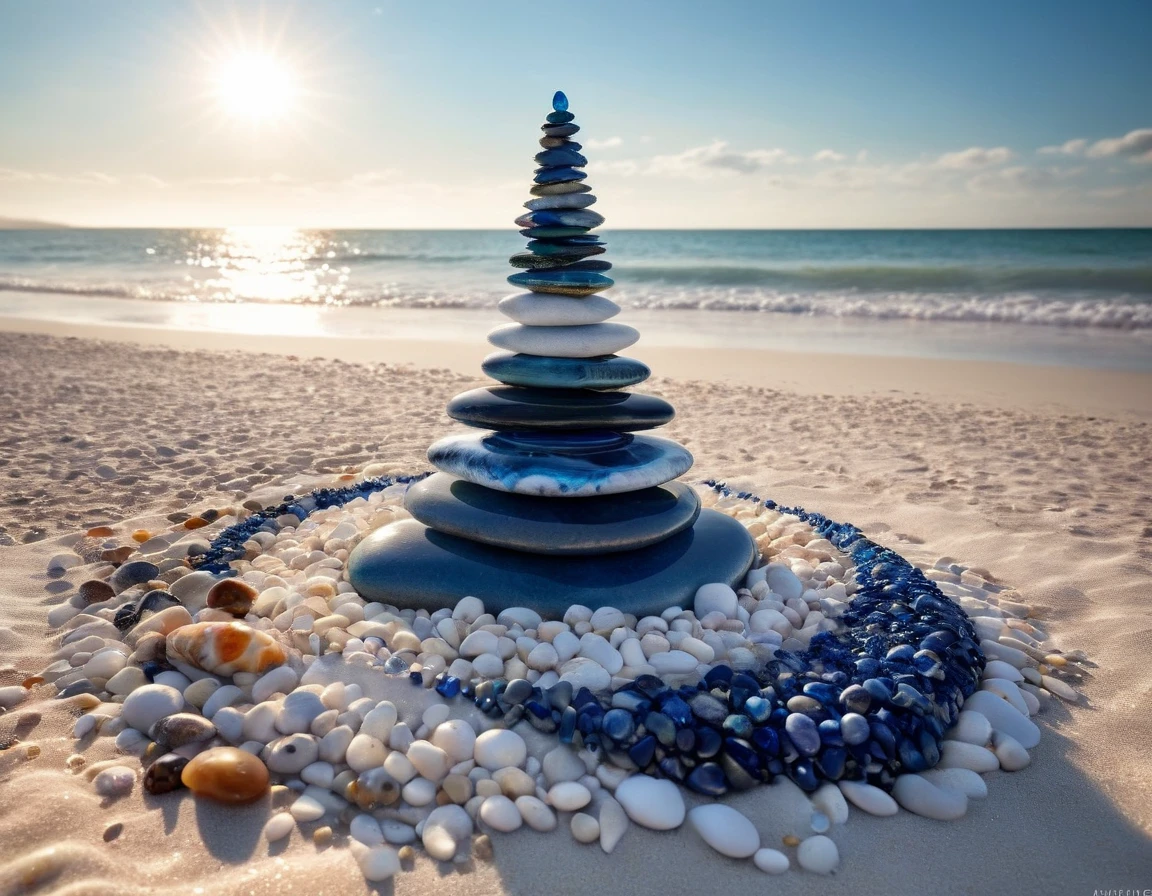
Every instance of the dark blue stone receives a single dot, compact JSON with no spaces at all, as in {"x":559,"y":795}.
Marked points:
{"x":674,"y":707}
{"x":568,"y":719}
{"x":738,"y":726}
{"x":559,"y":117}
{"x":559,"y":175}
{"x":618,"y":725}
{"x":514,"y":408}
{"x":532,"y":261}
{"x":830,"y":733}
{"x":562,"y":252}
{"x":686,"y":740}
{"x":708,"y":743}
{"x":707,"y":778}
{"x":562,"y":282}
{"x":855,"y":699}
{"x":661,"y":727}
{"x":560,"y":101}
{"x":757,"y":709}
{"x":556,"y":232}
{"x":718,"y":675}
{"x":643,"y":751}
{"x":448,"y":686}
{"x":743,"y":754}
{"x":671,"y":768}
{"x":156,"y":600}
{"x":635,"y":703}
{"x":518,"y":690}
{"x":559,"y":130}
{"x":561,"y":156}
{"x":560,"y":695}
{"x":558,"y":189}
{"x":561,"y":217}
{"x":832,"y":762}
{"x":767,"y":741}
{"x":803,"y":733}
{"x":804,"y":775}
{"x":605,"y":372}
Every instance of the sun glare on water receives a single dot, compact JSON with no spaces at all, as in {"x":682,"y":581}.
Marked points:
{"x":255,"y":87}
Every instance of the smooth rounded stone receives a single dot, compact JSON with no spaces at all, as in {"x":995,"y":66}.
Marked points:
{"x":725,"y":830}
{"x":225,"y":648}
{"x":290,"y":755}
{"x":582,"y":672}
{"x":429,"y":760}
{"x":226,"y":774}
{"x":279,"y":826}
{"x":298,"y":711}
{"x":1010,"y":753}
{"x":829,"y":800}
{"x":560,"y":156}
{"x":1001,"y":669}
{"x":164,"y":775}
{"x":181,"y":729}
{"x":145,"y":706}
{"x":1061,"y":689}
{"x":554,"y":253}
{"x":135,"y":572}
{"x":562,"y":282}
{"x":516,"y":408}
{"x":561,"y":465}
{"x":607,"y":372}
{"x":419,"y":792}
{"x":1004,"y":717}
{"x":406,"y":564}
{"x":569,"y":796}
{"x":307,"y":808}
{"x":560,"y":101}
{"x":378,"y":863}
{"x":770,"y":861}
{"x":818,"y":854}
{"x":279,"y":680}
{"x":586,"y":341}
{"x":574,"y":217}
{"x":971,"y":727}
{"x":961,"y":780}
{"x":654,"y":803}
{"x":543,"y":310}
{"x":114,"y":782}
{"x":958,"y":754}
{"x":365,"y":752}
{"x":585,"y":828}
{"x":559,"y":189}
{"x":536,"y":813}
{"x":500,"y":814}
{"x":782,"y":581}
{"x":96,"y":591}
{"x":921,"y":796}
{"x":232,"y":596}
{"x":715,"y":597}
{"x":376,"y":787}
{"x":366,"y":829}
{"x":869,"y":799}
{"x":445,"y":830}
{"x":566,"y":200}
{"x":500,"y":748}
{"x":559,"y":130}
{"x":556,"y":174}
{"x":456,"y":738}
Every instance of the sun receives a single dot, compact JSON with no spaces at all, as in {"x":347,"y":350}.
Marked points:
{"x":255,"y":87}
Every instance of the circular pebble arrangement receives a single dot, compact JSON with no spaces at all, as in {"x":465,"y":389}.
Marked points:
{"x":839,"y":674}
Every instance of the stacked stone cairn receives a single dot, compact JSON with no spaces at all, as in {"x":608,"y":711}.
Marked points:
{"x":558,"y":501}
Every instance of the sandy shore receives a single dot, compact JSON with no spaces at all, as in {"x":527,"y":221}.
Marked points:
{"x":1038,"y":475}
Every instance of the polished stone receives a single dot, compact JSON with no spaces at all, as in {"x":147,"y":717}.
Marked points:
{"x":558,"y":189}
{"x":562,"y":282}
{"x":556,"y":232}
{"x":561,"y":156}
{"x":536,"y":309}
{"x":563,"y":174}
{"x":559,"y":253}
{"x":560,"y":101}
{"x":562,"y":217}
{"x":608,"y":372}
{"x":551,"y":525}
{"x":588,"y":341}
{"x":412,"y":566}
{"x":553,"y":142}
{"x":534,"y":261}
{"x":559,"y":117}
{"x":518,"y":409}
{"x":565,"y":200}
{"x":559,"y":130}
{"x":561,"y":465}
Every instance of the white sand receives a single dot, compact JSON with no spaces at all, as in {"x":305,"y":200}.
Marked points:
{"x":1038,"y":475}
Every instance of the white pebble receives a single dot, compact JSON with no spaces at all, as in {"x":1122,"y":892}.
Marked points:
{"x":379,"y":721}
{"x":585,"y":828}
{"x":568,"y":796}
{"x":919,"y":795}
{"x":500,"y":748}
{"x":958,"y":754}
{"x":782,"y":581}
{"x":1004,"y":717}
{"x":378,"y":863}
{"x":419,"y":792}
{"x":725,"y":830}
{"x":654,"y":803}
{"x":818,"y":854}
{"x":365,"y":752}
{"x":366,"y":829}
{"x":829,"y":800}
{"x":500,"y":814}
{"x":278,"y":827}
{"x":307,"y":808}
{"x":971,"y":728}
{"x":115,"y":782}
{"x":1011,"y":755}
{"x":536,"y":814}
{"x":613,"y":824}
{"x":477,"y":643}
{"x":868,"y":798}
{"x":147,"y":705}
{"x":770,"y":861}
{"x":961,"y":780}
{"x":445,"y":829}
{"x":715,"y":598}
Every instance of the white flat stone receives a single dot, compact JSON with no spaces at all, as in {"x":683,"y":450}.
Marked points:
{"x":1008,"y":690}
{"x":536,"y":814}
{"x":1004,"y":717}
{"x":147,"y":705}
{"x":962,"y":780}
{"x":378,"y":863}
{"x":870,"y":799}
{"x":770,"y":861}
{"x":535,"y":309}
{"x":500,"y":748}
{"x":715,"y":598}
{"x":1061,"y":689}
{"x":445,"y":831}
{"x":921,"y":796}
{"x":725,"y":830}
{"x":1008,"y":750}
{"x":585,"y":828}
{"x":829,"y":800}
{"x":613,"y":824}
{"x":279,"y":826}
{"x":958,"y":754}
{"x":569,"y":796}
{"x":456,"y":738}
{"x":1001,"y":669}
{"x":500,"y":814}
{"x":971,"y":727}
{"x":588,"y":341}
{"x":653,"y":803}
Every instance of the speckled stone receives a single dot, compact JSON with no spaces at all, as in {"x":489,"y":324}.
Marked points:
{"x":604,"y":372}
{"x":549,"y":525}
{"x":409,"y":565}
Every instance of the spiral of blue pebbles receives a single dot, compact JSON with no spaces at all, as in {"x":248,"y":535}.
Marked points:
{"x":867,"y":702}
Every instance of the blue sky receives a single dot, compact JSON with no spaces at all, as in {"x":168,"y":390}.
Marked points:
{"x":695,"y":114}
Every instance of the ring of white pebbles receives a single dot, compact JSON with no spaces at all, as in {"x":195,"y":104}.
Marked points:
{"x":330,"y":713}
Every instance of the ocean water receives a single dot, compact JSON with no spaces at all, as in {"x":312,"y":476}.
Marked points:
{"x":1064,"y":288}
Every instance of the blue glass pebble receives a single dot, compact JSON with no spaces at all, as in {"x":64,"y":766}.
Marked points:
{"x":559,"y":101}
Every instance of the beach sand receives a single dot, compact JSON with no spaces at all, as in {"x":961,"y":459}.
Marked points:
{"x":1037,"y":475}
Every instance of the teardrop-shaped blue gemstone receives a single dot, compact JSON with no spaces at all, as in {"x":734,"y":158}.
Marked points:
{"x":559,"y":101}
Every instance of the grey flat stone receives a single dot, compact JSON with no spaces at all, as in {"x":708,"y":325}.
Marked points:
{"x":409,"y":565}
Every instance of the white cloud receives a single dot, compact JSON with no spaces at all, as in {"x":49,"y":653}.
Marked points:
{"x":974,"y":157}
{"x":1067,"y":148}
{"x":829,"y":155}
{"x":1021,"y":179}
{"x":606,"y":143}
{"x":716,"y":156}
{"x":1135,"y":145}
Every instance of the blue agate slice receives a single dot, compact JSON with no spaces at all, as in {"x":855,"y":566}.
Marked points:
{"x":571,"y":217}
{"x":559,"y":101}
{"x":561,"y":465}
{"x":560,"y":117}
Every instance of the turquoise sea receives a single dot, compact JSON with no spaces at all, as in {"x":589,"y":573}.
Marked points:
{"x":1067,"y":288}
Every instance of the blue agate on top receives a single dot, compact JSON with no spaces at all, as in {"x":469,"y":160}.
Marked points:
{"x":559,"y":101}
